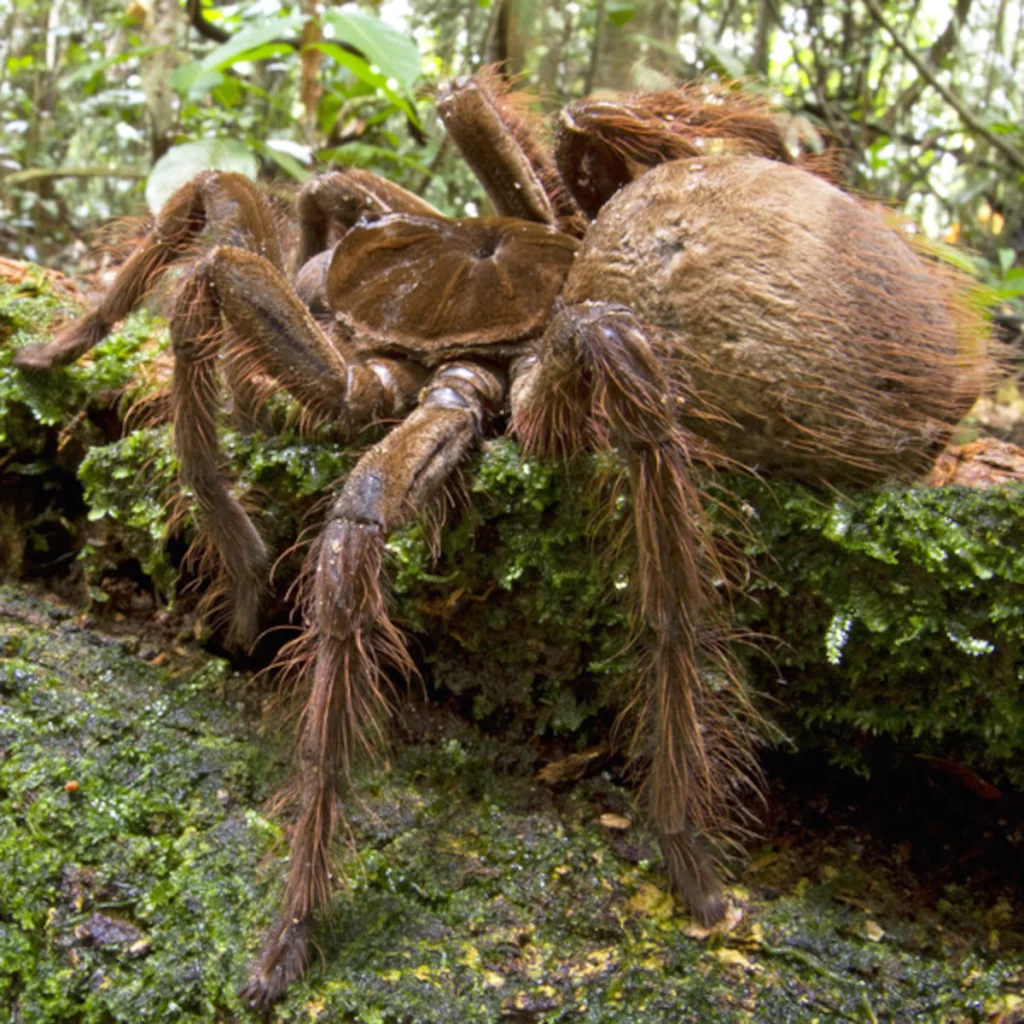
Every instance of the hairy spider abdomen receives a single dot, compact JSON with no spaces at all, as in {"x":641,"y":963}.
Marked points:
{"x":804,"y":331}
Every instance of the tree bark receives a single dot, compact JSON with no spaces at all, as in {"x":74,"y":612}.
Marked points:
{"x":156,"y":71}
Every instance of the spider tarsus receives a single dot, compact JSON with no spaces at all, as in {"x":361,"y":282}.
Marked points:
{"x":72,"y":340}
{"x":246,"y":598}
{"x":282,"y":960}
{"x":691,"y":870}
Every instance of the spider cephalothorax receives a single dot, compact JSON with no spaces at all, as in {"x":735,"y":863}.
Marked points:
{"x":673,"y":282}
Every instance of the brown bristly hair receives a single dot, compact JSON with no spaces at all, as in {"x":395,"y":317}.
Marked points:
{"x":649,"y":128}
{"x":348,"y":642}
{"x":693,"y":725}
{"x":876,"y":357}
{"x":526,"y":125}
{"x":226,"y":536}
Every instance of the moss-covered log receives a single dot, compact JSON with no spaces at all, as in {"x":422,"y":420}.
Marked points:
{"x":134,"y":781}
{"x":132,"y":834}
{"x":893,"y":617}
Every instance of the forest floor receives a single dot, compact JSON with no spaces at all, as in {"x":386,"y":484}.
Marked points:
{"x":139,"y":866}
{"x":140,"y":863}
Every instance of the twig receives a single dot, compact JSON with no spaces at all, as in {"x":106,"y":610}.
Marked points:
{"x":1014,"y":155}
{"x":812,"y":962}
{"x":197,"y":19}
{"x":39,"y":173}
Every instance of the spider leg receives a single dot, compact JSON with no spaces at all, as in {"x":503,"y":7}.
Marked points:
{"x":236,"y":212}
{"x":596,"y":382}
{"x":343,"y":197}
{"x":500,"y":140}
{"x":238,"y":301}
{"x":348,"y":638}
{"x":603,"y":143}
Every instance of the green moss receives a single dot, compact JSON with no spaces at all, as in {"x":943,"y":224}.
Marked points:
{"x":901,"y":615}
{"x":519,"y":563}
{"x":897,"y":611}
{"x":474,"y":894}
{"x":132,"y":483}
{"x":27,"y":312}
{"x":48,"y":420}
{"x":126,"y":795}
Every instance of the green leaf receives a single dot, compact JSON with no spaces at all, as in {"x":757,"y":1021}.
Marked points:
{"x":86,"y":71}
{"x":1008,"y":290}
{"x":286,"y":161}
{"x":393,"y":52}
{"x":228,"y":93}
{"x":732,"y":65}
{"x":362,"y":70}
{"x":1006,"y":260}
{"x":194,"y":81}
{"x":327,"y":111}
{"x":620,"y":13}
{"x":180,"y":163}
{"x":361,"y":154}
{"x":266,"y":39}
{"x":1004,"y":128}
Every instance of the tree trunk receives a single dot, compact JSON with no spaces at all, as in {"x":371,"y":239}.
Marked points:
{"x":156,"y":71}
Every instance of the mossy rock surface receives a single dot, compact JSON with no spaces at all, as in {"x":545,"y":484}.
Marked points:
{"x":135,"y":879}
{"x":140,"y":891}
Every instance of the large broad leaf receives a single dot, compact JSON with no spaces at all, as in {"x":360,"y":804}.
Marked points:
{"x":86,"y":71}
{"x":361,"y":154}
{"x":180,"y":163}
{"x":726,"y":59}
{"x":269,"y":37}
{"x":362,"y":70}
{"x":393,"y":52}
{"x":194,"y":81}
{"x":288,"y":155}
{"x":620,"y":12}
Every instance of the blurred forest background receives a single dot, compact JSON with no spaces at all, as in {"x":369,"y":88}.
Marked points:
{"x":109,"y":104}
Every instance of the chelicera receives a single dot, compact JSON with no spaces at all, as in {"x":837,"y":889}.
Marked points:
{"x":669,"y":280}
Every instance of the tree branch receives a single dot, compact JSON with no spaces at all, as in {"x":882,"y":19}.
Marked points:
{"x":42,"y":173}
{"x":938,"y":55}
{"x":205,"y":28}
{"x":1014,"y":155}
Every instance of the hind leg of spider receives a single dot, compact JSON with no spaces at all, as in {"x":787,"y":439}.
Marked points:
{"x":595,"y":382}
{"x":348,"y":639}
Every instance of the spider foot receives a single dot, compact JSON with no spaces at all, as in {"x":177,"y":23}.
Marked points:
{"x":73,"y":340}
{"x":35,"y":357}
{"x":692,"y":872}
{"x":281,"y":961}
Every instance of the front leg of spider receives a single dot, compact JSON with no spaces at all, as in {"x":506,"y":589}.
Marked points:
{"x":236,"y":301}
{"x":349,"y":640}
{"x":229,"y":206}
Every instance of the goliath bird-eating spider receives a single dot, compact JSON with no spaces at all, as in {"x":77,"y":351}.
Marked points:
{"x":666,"y":278}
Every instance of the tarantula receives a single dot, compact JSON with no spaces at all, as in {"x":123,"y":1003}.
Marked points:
{"x":669,"y":280}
